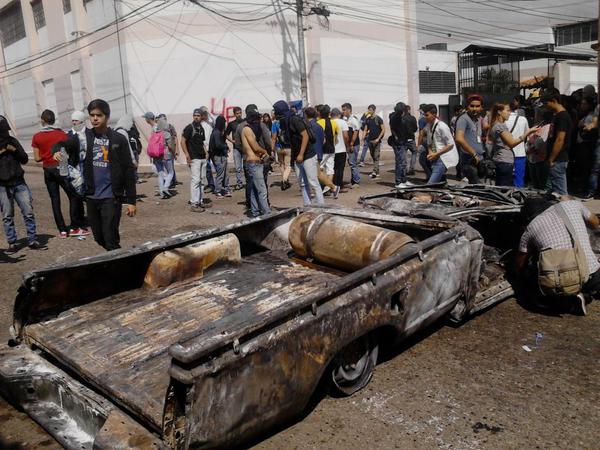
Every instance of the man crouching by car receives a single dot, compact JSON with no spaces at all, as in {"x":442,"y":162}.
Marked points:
{"x":108,"y":174}
{"x":556,"y":235}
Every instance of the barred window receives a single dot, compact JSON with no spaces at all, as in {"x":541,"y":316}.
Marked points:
{"x":576,"y":34}
{"x":12,"y":27}
{"x":435,"y":82}
{"x":66,"y":6}
{"x":38,"y":14}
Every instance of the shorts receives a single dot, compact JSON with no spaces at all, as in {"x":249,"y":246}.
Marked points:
{"x":327,"y":163}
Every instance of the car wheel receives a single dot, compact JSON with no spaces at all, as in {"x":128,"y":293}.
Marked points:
{"x":353,"y":367}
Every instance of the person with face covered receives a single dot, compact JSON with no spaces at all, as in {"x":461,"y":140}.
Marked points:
{"x":254,"y":155}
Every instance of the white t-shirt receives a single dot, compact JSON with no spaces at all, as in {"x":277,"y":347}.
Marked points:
{"x":340,"y":145}
{"x":520,"y":129}
{"x":442,"y":136}
{"x":353,"y":123}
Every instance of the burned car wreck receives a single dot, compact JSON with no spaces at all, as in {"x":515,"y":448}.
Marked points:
{"x":210,"y":338}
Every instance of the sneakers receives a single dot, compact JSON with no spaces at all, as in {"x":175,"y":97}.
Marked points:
{"x":361,"y":164}
{"x":218,"y":195}
{"x":166,"y":196}
{"x":238,"y":187}
{"x":208,"y":190}
{"x":206,"y":202}
{"x":75,"y":232}
{"x":580,"y":305}
{"x":374,"y":175}
{"x":336,"y":192}
{"x":354,"y":186}
{"x":326,"y":189}
{"x":34,"y":245}
{"x":63,"y":235}
{"x":12,"y":248}
{"x":404,"y":185}
{"x":197,"y":209}
{"x":227,"y":194}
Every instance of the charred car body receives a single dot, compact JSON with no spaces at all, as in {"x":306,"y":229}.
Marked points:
{"x":209,"y":338}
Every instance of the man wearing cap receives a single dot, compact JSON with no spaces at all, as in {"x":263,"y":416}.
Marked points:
{"x":42,"y":143}
{"x":13,"y":187}
{"x":193,"y":141}
{"x":173,"y":133}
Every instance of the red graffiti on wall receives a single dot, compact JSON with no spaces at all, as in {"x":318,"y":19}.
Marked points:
{"x":225,"y":111}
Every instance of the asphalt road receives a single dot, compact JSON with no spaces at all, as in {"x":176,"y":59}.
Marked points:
{"x":464,"y":387}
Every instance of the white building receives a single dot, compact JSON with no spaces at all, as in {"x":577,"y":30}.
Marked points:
{"x":172,"y":56}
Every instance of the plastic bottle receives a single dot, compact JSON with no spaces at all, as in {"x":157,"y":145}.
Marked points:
{"x":63,"y":165}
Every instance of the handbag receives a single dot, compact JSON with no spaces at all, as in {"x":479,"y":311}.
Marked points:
{"x":563,"y":272}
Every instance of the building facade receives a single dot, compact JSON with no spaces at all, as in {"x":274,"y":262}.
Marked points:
{"x":173,"y":56}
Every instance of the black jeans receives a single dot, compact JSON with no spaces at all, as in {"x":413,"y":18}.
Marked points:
{"x":53,"y":181}
{"x":339,"y":162}
{"x":592,"y":286}
{"x":504,"y":174}
{"x":104,"y":217}
{"x":468,"y":168}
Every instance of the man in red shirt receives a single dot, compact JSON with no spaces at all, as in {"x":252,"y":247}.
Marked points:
{"x":42,"y":144}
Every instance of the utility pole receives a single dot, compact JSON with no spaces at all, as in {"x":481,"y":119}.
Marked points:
{"x":302,"y":52}
{"x":120,"y":55}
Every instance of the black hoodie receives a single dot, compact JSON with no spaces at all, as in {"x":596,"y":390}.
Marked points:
{"x":11,"y":172}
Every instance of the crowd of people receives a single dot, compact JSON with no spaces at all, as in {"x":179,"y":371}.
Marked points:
{"x":547,"y":142}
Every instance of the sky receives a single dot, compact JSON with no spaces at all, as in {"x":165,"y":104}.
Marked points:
{"x":505,"y":23}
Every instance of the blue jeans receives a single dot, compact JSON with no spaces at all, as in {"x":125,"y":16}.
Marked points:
{"x":307,"y":173}
{"x":353,"y":163}
{"x":557,"y":177}
{"x":239,"y":167}
{"x":595,"y":172}
{"x":438,"y":170}
{"x":425,"y":165}
{"x":22,"y":195}
{"x":364,"y":151}
{"x":519,"y":175}
{"x":412,"y":146}
{"x":400,"y":158}
{"x":164,"y":168}
{"x":255,"y":181}
{"x":504,"y":173}
{"x":210,"y":180}
{"x":222,"y":181}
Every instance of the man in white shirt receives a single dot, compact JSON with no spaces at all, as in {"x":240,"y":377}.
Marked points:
{"x":441,"y":152}
{"x":353,"y":143}
{"x":341,"y":147}
{"x":518,"y":126}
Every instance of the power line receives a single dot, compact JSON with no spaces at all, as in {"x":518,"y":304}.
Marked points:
{"x":234,"y":19}
{"x":156,"y":10}
{"x":42,"y":54}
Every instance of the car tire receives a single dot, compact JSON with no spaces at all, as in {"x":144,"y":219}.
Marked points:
{"x":353,"y":366}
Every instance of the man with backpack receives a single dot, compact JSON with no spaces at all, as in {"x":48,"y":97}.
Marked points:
{"x":13,"y":187}
{"x":401,"y":128}
{"x":193,"y":145}
{"x":468,"y":138}
{"x":556,"y":233}
{"x":161,"y":150}
{"x":302,"y":143}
